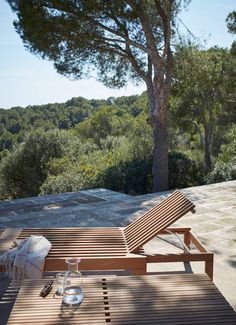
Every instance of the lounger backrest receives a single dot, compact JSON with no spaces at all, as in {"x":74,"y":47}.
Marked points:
{"x":155,"y":220}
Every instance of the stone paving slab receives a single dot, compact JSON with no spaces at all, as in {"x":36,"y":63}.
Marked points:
{"x":214,"y":221}
{"x":41,"y":203}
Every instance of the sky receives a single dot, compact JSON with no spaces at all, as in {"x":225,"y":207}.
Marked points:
{"x":28,"y":80}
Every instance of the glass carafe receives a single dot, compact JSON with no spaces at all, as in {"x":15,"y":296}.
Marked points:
{"x":73,"y":291}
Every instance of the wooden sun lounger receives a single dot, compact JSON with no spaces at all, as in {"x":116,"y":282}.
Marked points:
{"x":113,"y":248}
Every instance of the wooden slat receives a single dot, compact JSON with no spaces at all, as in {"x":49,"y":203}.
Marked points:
{"x":7,"y":301}
{"x":156,"y":220}
{"x":154,"y":299}
{"x":95,"y":262}
{"x":162,"y":258}
{"x":98,"y":248}
{"x":68,"y":242}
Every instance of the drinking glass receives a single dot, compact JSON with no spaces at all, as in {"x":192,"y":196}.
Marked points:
{"x":73,"y":290}
{"x":60,"y":279}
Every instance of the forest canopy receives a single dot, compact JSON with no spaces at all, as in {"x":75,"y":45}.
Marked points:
{"x":83,"y":144}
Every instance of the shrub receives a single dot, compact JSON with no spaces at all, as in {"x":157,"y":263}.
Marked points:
{"x":183,"y":171}
{"x":132,"y":177}
{"x":24,"y":169}
{"x":225,"y":167}
{"x":222,"y":172}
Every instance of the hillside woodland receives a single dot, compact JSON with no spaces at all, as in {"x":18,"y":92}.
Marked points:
{"x":81,"y":144}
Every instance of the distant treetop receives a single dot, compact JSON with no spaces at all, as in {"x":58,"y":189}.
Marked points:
{"x":231,"y":22}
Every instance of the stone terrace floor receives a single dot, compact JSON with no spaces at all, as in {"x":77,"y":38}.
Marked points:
{"x":214,"y":221}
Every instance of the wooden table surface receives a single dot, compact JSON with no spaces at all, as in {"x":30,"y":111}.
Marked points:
{"x":149,"y":299}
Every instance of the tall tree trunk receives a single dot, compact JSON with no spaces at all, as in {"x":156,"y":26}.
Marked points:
{"x":207,"y":155}
{"x":158,"y":81}
{"x":157,"y":112}
{"x":160,"y":157}
{"x":208,"y":130}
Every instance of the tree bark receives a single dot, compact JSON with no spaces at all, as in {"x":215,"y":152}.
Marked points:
{"x":207,"y":156}
{"x":158,"y":118}
{"x":160,"y":157}
{"x":208,"y":129}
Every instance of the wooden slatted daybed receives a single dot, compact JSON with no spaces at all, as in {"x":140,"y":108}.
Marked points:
{"x":151,"y":299}
{"x":113,"y":248}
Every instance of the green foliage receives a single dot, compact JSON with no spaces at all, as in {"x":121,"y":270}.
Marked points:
{"x":63,"y":116}
{"x":73,"y":178}
{"x":119,"y":41}
{"x":24,"y":169}
{"x":68,"y":175}
{"x":112,"y":121}
{"x":132,"y":177}
{"x":228,"y":150}
{"x":231,"y":22}
{"x":83,"y":36}
{"x":99,"y":156}
{"x":120,"y":163}
{"x":183,"y":171}
{"x":99,"y":125}
{"x":17,"y":121}
{"x":129,"y":177}
{"x":109,"y":143}
{"x":233,"y":49}
{"x":225,"y":167}
{"x":203,"y":96}
{"x":132,"y":155}
{"x":6,"y":140}
{"x":112,"y":148}
{"x":113,"y":135}
{"x":222,"y":172}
